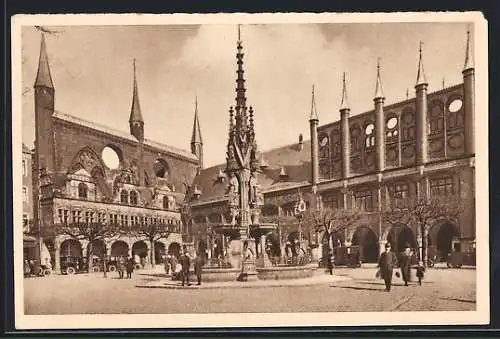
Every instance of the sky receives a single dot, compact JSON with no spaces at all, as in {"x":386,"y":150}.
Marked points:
{"x":93,"y":76}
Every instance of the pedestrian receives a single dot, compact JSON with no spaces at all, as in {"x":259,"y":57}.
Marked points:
{"x":386,"y":264}
{"x":246,"y":255}
{"x":130,"y":267}
{"x":185,"y":263}
{"x":121,"y":267}
{"x":329,"y":263}
{"x":420,"y":272}
{"x":166,"y":264}
{"x":405,"y":264}
{"x":199,"y":261}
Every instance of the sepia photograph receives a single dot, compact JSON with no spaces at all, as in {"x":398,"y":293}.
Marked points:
{"x":249,"y":170}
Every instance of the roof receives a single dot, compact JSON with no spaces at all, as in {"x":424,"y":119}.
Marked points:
{"x":43,"y":77}
{"x":123,"y":135}
{"x":295,"y":161}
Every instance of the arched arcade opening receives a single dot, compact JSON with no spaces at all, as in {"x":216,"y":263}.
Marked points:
{"x":365,"y":238}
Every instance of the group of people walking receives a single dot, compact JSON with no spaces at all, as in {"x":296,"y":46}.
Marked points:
{"x":179,"y":268}
{"x":125,"y":266}
{"x":388,"y":262}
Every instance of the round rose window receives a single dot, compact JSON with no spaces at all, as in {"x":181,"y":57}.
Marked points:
{"x":110,"y":158}
{"x":392,"y":122}
{"x":455,"y":105}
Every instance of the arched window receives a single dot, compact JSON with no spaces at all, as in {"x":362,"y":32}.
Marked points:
{"x":324,"y":146}
{"x":124,"y":197}
{"x":436,"y":121}
{"x":392,"y":130}
{"x":336,"y":143}
{"x":83,"y":190}
{"x":455,"y":114}
{"x":408,"y":125}
{"x":355,"y":133}
{"x":165,"y":202}
{"x":133,"y":198}
{"x":369,"y":135}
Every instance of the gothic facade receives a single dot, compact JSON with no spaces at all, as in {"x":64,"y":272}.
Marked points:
{"x":88,"y":173}
{"x":422,"y":146}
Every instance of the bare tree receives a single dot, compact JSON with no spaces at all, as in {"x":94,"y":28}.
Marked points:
{"x":423,"y":213}
{"x":91,"y":232}
{"x":153,"y":232}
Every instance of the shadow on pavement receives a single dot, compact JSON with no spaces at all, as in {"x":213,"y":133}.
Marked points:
{"x":156,"y":275}
{"x":459,"y":299}
{"x":359,"y":288}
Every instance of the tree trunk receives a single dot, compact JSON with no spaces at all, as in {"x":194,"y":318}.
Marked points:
{"x":152,"y":253}
{"x":90,"y":257}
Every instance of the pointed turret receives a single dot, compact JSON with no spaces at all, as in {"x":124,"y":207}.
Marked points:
{"x":196,"y":140}
{"x":136,"y":121}
{"x":344,"y":104}
{"x":379,"y":93}
{"x":43,"y":77}
{"x":420,"y":73}
{"x":314,"y":113}
{"x":344,"y":125}
{"x":379,"y":121}
{"x":196,"y":136}
{"x":313,"y":130}
{"x":421,"y":112}
{"x":135,"y":113}
{"x":469,"y":62}
{"x":469,"y":98}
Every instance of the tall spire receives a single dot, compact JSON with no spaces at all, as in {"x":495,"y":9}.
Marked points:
{"x":344,"y":105}
{"x":379,"y":93}
{"x":421,"y":74}
{"x":43,"y":77}
{"x":240,"y":80}
{"x":314,"y":113}
{"x":196,"y":136}
{"x":135,"y":112}
{"x":469,"y":62}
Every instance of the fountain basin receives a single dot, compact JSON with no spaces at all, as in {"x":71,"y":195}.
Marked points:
{"x":213,"y":274}
{"x":281,"y":272}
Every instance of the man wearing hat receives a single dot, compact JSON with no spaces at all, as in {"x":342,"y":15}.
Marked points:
{"x":386,"y":263}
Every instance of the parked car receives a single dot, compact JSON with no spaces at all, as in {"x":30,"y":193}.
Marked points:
{"x":457,"y":259}
{"x":33,"y":268}
{"x":72,"y":265}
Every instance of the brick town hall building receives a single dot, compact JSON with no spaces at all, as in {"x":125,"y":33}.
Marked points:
{"x":418,"y":147}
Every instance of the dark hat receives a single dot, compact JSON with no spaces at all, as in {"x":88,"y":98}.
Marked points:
{"x":387,"y":245}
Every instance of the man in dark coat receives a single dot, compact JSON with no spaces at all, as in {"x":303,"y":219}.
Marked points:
{"x":198,"y":264}
{"x":405,"y":264}
{"x":386,"y":264}
{"x":130,"y":267}
{"x":121,"y":267}
{"x":185,"y":263}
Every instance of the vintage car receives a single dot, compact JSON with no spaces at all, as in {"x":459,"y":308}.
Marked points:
{"x":71,"y":265}
{"x":34,"y":269}
{"x":457,"y":259}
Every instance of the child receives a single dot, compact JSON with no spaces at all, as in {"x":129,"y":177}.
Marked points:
{"x":420,"y":272}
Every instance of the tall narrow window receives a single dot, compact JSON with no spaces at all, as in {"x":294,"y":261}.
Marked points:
{"x":82,"y":190}
{"x":436,"y":121}
{"x":25,"y":194}
{"x":25,"y":170}
{"x":133,"y":197}
{"x":369,"y":136}
{"x":124,"y":197}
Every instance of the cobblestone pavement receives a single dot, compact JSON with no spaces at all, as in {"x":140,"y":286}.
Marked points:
{"x":443,"y":290}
